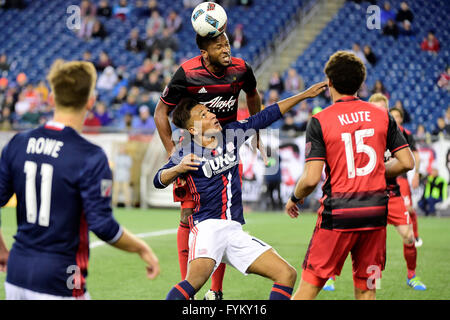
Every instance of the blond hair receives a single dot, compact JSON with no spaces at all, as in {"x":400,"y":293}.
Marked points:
{"x":377,"y":97}
{"x":72,"y":83}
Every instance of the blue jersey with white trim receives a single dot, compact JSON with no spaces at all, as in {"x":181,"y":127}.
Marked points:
{"x":216,"y":185}
{"x":63,"y":186}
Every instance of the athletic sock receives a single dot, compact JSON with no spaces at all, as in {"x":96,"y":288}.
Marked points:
{"x":217,"y":278}
{"x":181,"y":291}
{"x":410,"y":254}
{"x":280,"y":292}
{"x":413,"y":216}
{"x":183,"y":248}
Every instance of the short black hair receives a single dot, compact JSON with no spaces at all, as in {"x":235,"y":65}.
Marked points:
{"x":204,"y":42}
{"x":182,"y":112}
{"x":346,"y":72}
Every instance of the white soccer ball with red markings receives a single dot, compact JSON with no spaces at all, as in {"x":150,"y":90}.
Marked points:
{"x":209,"y":19}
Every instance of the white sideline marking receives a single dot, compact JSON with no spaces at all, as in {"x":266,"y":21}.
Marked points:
{"x":96,"y":244}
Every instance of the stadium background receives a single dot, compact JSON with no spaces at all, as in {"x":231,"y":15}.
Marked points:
{"x":293,"y":37}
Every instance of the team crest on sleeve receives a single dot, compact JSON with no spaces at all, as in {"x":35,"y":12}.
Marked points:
{"x":166,"y":91}
{"x":106,"y":188}
{"x":307,"y":148}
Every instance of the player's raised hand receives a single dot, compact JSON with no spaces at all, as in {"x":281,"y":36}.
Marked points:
{"x":188,"y":163}
{"x":316,"y":89}
{"x":292,"y":209}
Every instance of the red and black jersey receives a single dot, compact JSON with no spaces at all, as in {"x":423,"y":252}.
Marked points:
{"x":219,"y":93}
{"x":351,"y":136}
{"x":392,"y":185}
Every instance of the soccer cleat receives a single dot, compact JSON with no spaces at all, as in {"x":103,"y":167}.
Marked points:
{"x":419,"y":242}
{"x":329,"y":285}
{"x":213,"y":295}
{"x":416,"y":284}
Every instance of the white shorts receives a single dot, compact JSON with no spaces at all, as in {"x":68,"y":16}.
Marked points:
{"x":18,"y":293}
{"x":225,"y":241}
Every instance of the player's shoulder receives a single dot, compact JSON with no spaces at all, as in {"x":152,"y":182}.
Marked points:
{"x":239,"y":63}
{"x":192,"y":64}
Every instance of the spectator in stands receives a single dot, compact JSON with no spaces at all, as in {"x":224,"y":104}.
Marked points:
{"x":3,"y":90}
{"x":386,"y":14}
{"x":87,"y":14}
{"x":155,"y":22}
{"x":166,"y":40}
{"x":102,"y":113}
{"x":121,"y":96}
{"x":130,"y":106}
{"x":435,"y":191}
{"x":272,"y":179}
{"x":150,"y":39}
{"x":144,"y":122}
{"x":6,"y":120}
{"x":122,"y":10}
{"x":369,"y":55}
{"x":9,"y":103}
{"x":444,"y":80}
{"x":139,"y":80}
{"x":104,"y":9}
{"x":406,"y":116}
{"x":87,"y":56}
{"x":140,"y":10}
{"x":108,"y":79}
{"x":430,"y":43}
{"x":21,"y":81}
{"x":122,"y":176}
{"x":391,"y":29}
{"x":441,"y":128}
{"x":167,"y":62}
{"x":406,"y":29}
{"x":289,"y":127}
{"x":293,"y":82}
{"x":173,"y":21}
{"x":238,"y":38}
{"x":421,"y":132}
{"x":363,"y":91}
{"x":134,"y":43}
{"x":4,"y":65}
{"x":98,"y":30}
{"x":356,"y":49}
{"x":147,"y":67}
{"x":276,"y":83}
{"x":91,"y":123}
{"x":302,"y":116}
{"x":23,"y":105}
{"x":103,"y":62}
{"x":153,"y":83}
{"x":379,"y":88}
{"x":125,"y":122}
{"x":190,"y":4}
{"x":404,"y":13}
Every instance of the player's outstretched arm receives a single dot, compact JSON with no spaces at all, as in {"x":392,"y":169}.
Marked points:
{"x":129,"y":242}
{"x":402,"y":163}
{"x":4,"y":254}
{"x":313,"y":91}
{"x":163,"y":125}
{"x":305,"y":185}
{"x":189,"y":162}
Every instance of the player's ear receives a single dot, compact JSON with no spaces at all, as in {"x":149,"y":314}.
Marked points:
{"x":330,"y":84}
{"x":51,"y":99}
{"x":91,"y":102}
{"x":204,"y":54}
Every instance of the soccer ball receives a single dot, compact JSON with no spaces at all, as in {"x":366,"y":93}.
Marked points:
{"x":209,"y":19}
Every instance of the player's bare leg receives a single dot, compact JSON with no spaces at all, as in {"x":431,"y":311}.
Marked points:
{"x":306,"y":291}
{"x":199,"y":271}
{"x":272,"y":266}
{"x":365,"y":294}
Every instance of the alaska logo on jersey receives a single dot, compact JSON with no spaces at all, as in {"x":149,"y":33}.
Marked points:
{"x":219,"y":163}
{"x":220,"y":105}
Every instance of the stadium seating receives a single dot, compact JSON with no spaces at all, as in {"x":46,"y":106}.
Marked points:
{"x":37,"y":35}
{"x":408,"y":73}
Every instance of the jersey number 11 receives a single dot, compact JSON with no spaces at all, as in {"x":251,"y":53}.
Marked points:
{"x":30,"y":192}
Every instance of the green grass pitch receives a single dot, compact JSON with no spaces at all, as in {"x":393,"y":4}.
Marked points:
{"x":114,"y":274}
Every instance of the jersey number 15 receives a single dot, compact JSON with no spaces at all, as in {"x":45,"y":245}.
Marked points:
{"x":360,"y":147}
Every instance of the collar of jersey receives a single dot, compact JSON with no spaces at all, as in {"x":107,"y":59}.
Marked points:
{"x":347,"y":99}
{"x":215,"y":76}
{"x":53,"y":125}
